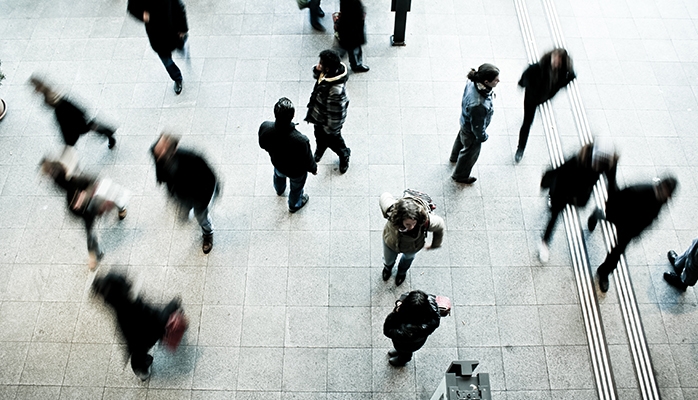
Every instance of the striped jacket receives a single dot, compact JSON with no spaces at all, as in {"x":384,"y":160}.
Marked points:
{"x":329,"y":102}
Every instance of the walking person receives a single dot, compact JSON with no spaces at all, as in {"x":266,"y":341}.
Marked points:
{"x":542,"y":81}
{"x":189,"y":180}
{"x":290,"y":153}
{"x":166,"y":25}
{"x":631,"y":210}
{"x":315,"y":14}
{"x":352,"y":32}
{"x":405,"y":232}
{"x":685,"y":271}
{"x":70,"y":117}
{"x":476,"y":113}
{"x":327,"y":108}
{"x":141,"y":325}
{"x":410,"y":324}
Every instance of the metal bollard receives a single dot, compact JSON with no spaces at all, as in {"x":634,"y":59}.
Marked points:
{"x":401,"y":7}
{"x":460,"y":383}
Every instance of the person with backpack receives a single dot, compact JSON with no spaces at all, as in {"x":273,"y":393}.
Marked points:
{"x":405,"y":232}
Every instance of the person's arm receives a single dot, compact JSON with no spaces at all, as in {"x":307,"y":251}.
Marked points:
{"x":436,"y":225}
{"x":478,"y":115}
{"x":525,"y":80}
{"x":136,"y":8}
{"x":337,"y":103}
{"x":312,"y":165}
{"x":180,"y":17}
{"x":386,"y":201}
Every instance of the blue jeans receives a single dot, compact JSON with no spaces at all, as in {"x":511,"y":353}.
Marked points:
{"x":171,"y":67}
{"x":684,"y":262}
{"x":390,"y":255}
{"x":295,"y":196}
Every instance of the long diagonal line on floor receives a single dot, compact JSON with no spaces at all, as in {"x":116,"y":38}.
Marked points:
{"x":626,"y":295}
{"x":598,"y":349}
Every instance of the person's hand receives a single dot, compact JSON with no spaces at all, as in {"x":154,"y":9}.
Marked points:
{"x":318,"y":67}
{"x":182,"y":35}
{"x":146,"y":16}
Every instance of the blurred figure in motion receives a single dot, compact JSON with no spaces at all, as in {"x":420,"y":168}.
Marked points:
{"x":542,"y":81}
{"x":290,"y":153}
{"x":352,"y":32}
{"x":166,"y":26}
{"x":631,"y":210}
{"x":141,"y":324}
{"x":88,"y":198}
{"x":189,"y":180}
{"x":685,"y":272}
{"x":315,"y":14}
{"x":70,"y":117}
{"x":413,"y":319}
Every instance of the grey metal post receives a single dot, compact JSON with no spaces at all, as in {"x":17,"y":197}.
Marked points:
{"x":460,"y":383}
{"x":401,"y":7}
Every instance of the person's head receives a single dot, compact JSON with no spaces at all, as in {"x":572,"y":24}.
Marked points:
{"x":112,"y":287}
{"x":284,"y":111}
{"x":165,"y":146}
{"x":603,"y":155}
{"x":486,"y":74}
{"x":417,"y":306}
{"x":51,"y":168}
{"x":407,"y":214}
{"x":664,"y":188}
{"x":559,"y":59}
{"x":51,"y":97}
{"x":329,"y":61}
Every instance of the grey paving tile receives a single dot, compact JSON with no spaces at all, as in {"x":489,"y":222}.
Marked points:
{"x":220,"y":325}
{"x":260,"y":369}
{"x":216,"y":368}
{"x":306,"y":327}
{"x":525,"y":368}
{"x":45,"y":364}
{"x":305,"y":369}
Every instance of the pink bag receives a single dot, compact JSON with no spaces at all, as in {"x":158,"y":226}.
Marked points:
{"x":444,"y":304}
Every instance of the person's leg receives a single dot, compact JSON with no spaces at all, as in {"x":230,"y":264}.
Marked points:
{"x":529,"y":114}
{"x":95,"y":252}
{"x":320,"y":142}
{"x":140,"y":363}
{"x":400,"y":355}
{"x":554,"y":213}
{"x":611,"y":261}
{"x":279,"y":182}
{"x":295,"y":195}
{"x":389,"y":257}
{"x":315,"y":14}
{"x":103,"y":130}
{"x":336,"y":143}
{"x":402,"y":267}
{"x":356,"y":60}
{"x":172,"y":70}
{"x":457,"y":147}
{"x":466,"y":157}
{"x":204,"y":218}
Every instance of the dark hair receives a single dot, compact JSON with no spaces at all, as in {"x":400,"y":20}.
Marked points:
{"x":284,"y":111}
{"x":330,"y":60}
{"x":668,"y":185}
{"x":486,"y":72}
{"x":417,"y":306}
{"x":113,"y":287}
{"x":406,"y":208}
{"x":565,"y":60}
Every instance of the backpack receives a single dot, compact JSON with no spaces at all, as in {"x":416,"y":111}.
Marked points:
{"x":422,"y":196}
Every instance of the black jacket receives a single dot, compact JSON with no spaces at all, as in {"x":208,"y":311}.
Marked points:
{"x":540,"y":83}
{"x":72,"y":187}
{"x":329,"y":102}
{"x":407,"y":333}
{"x":188,"y":178}
{"x":350,"y":26}
{"x":72,"y":121}
{"x":573,"y":182}
{"x":167,"y":19}
{"x":289,"y":149}
{"x":633,"y":209}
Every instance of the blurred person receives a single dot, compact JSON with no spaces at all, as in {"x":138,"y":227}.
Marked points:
{"x":141,"y":325}
{"x":476,"y":113}
{"x":88,"y":198}
{"x":410,"y":324}
{"x":290,"y":153}
{"x":315,"y":14}
{"x":685,"y":272}
{"x":573,"y":182}
{"x":352,"y":32}
{"x":542,"y":81}
{"x":189,"y":180}
{"x":405,"y":232}
{"x":327,"y":108}
{"x":631,"y":210}
{"x":71,"y":118}
{"x":166,"y":25}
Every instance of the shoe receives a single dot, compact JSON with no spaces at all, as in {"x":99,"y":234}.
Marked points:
{"x":318,"y":27}
{"x":360,"y":68}
{"x":671,"y":255}
{"x":343,"y":164}
{"x":142,"y":375}
{"x":304,"y":201}
{"x":395,"y":362}
{"x":386,"y":273}
{"x":392,"y":353}
{"x":453,"y":160}
{"x":122,"y":213}
{"x":519,"y":155}
{"x":318,"y":155}
{"x":112,"y":142}
{"x":603,"y":280}
{"x":675,"y":281}
{"x":543,"y":252}
{"x":208,"y":243}
{"x":399,"y":278}
{"x":592,"y":221}
{"x":468,"y":181}
{"x":321,"y":13}
{"x":178,"y":87}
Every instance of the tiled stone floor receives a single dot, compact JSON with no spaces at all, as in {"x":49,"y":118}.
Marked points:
{"x":292,"y":306}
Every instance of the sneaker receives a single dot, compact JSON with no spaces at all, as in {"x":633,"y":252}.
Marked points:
{"x":208,"y":243}
{"x":519,"y":155}
{"x":178,"y":87}
{"x":112,"y":142}
{"x":543,"y":252}
{"x":304,"y":201}
{"x":122,"y":213}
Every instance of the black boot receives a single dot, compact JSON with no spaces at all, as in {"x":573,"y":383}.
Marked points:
{"x":208,"y":243}
{"x":603,"y":278}
{"x":319,"y":153}
{"x":675,"y":281}
{"x":344,"y":161}
{"x":387,"y":271}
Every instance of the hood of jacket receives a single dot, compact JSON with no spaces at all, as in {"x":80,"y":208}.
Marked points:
{"x":341,"y":77}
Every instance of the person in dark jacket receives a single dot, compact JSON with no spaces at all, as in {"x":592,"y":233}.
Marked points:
{"x":290,"y":153}
{"x":685,"y":272}
{"x":70,"y":117}
{"x":542,"y":81}
{"x":476,"y":113}
{"x":573,"y":182}
{"x":189,"y":180}
{"x":85,"y":200}
{"x":410,"y":324}
{"x":327,"y":108}
{"x":166,"y":26}
{"x":352,"y":32}
{"x":631,"y":210}
{"x":141,"y":325}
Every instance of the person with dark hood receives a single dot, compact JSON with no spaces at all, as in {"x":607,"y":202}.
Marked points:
{"x":542,"y":81}
{"x":573,"y":182}
{"x":290,"y":153}
{"x":685,"y":266}
{"x":327,"y":108}
{"x":413,"y":319}
{"x":166,"y":25}
{"x":631,"y":210}
{"x":352,"y":32}
{"x":70,"y":117}
{"x":476,"y":113}
{"x":141,"y":325}
{"x":87,"y":198}
{"x":189,"y":180}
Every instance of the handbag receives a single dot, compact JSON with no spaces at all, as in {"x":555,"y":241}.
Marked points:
{"x":176,"y":325}
{"x":303,"y":4}
{"x":335,"y":19}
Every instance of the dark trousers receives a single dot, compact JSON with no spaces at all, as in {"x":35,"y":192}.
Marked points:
{"x":335,"y":143}
{"x":529,"y":115}
{"x":465,"y":152}
{"x":611,"y":261}
{"x":405,"y":350}
{"x":92,"y":244}
{"x":554,"y":213}
{"x":356,"y":56}
{"x":170,"y":66}
{"x":140,"y":359}
{"x":101,"y":129}
{"x":314,"y":7}
{"x":297,"y":183}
